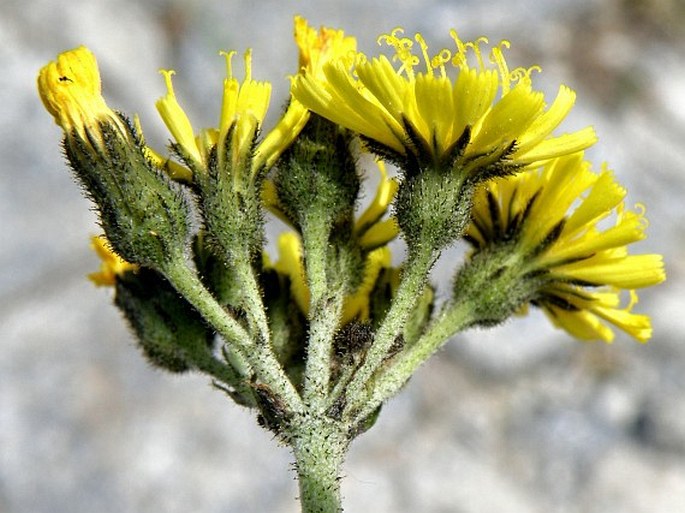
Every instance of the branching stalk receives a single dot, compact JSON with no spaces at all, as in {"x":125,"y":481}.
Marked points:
{"x":413,"y":280}
{"x":260,"y":356}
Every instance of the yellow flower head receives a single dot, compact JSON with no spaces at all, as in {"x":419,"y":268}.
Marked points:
{"x":243,"y":110}
{"x":315,"y":49}
{"x":244,"y":107}
{"x":483,"y":116}
{"x":112,"y":264}
{"x":319,"y":47}
{"x":70,"y":90}
{"x":582,"y":265}
{"x":245,"y":104}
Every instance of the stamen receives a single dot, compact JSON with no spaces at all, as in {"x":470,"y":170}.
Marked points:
{"x":424,"y":51}
{"x":248,"y":65}
{"x":229,"y":62}
{"x":633,"y":301}
{"x":439,"y":61}
{"x":388,"y":38}
{"x":459,"y":59}
{"x":497,"y":57}
{"x":167,"y":73}
{"x":402,"y":46}
{"x":523,"y":74}
{"x":475,"y":45}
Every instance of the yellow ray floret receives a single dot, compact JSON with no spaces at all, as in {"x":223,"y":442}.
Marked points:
{"x":316,"y":48}
{"x":582,"y":265}
{"x":71,"y":92}
{"x":412,"y":105}
{"x":112,"y":264}
{"x":374,"y":231}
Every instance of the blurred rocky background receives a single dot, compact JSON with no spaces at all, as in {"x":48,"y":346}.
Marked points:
{"x":516,"y":419}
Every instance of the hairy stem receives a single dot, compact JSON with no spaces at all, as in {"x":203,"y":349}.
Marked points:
{"x":254,"y":305}
{"x":412,"y":283}
{"x":319,"y":445}
{"x":391,"y":379}
{"x":260,"y":356}
{"x":325,"y":307}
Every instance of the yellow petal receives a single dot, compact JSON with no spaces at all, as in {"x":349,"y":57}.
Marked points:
{"x":379,"y":234}
{"x":547,"y":122}
{"x":635,"y":325}
{"x":281,"y":136}
{"x":357,"y":305}
{"x":508,"y":118}
{"x":290,"y":264}
{"x":175,"y":170}
{"x":317,"y":48}
{"x":70,"y":90}
{"x":604,"y":196}
{"x":631,"y":272}
{"x":474,"y":93}
{"x":176,"y":119}
{"x":580,"y":324}
{"x":112,"y":264}
{"x":559,"y":146}
{"x":387,"y":188}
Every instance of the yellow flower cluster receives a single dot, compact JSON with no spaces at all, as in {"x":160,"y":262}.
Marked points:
{"x":456,"y":108}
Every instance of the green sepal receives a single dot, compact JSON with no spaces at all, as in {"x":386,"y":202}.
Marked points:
{"x":170,"y":332}
{"x":146,"y":216}
{"x":229,"y":196}
{"x":495,"y":283}
{"x":317,"y":175}
{"x":433,"y":209}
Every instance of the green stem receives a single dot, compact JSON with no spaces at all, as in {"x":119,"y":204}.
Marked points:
{"x":319,"y":445}
{"x":260,"y":357}
{"x":325,"y":307}
{"x":391,"y":380}
{"x":224,"y":373}
{"x":324,"y":321}
{"x":252,"y":296}
{"x":412,"y":283}
{"x":340,"y":385}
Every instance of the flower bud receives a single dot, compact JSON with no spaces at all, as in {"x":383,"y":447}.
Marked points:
{"x":145,"y":216}
{"x":171,"y":334}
